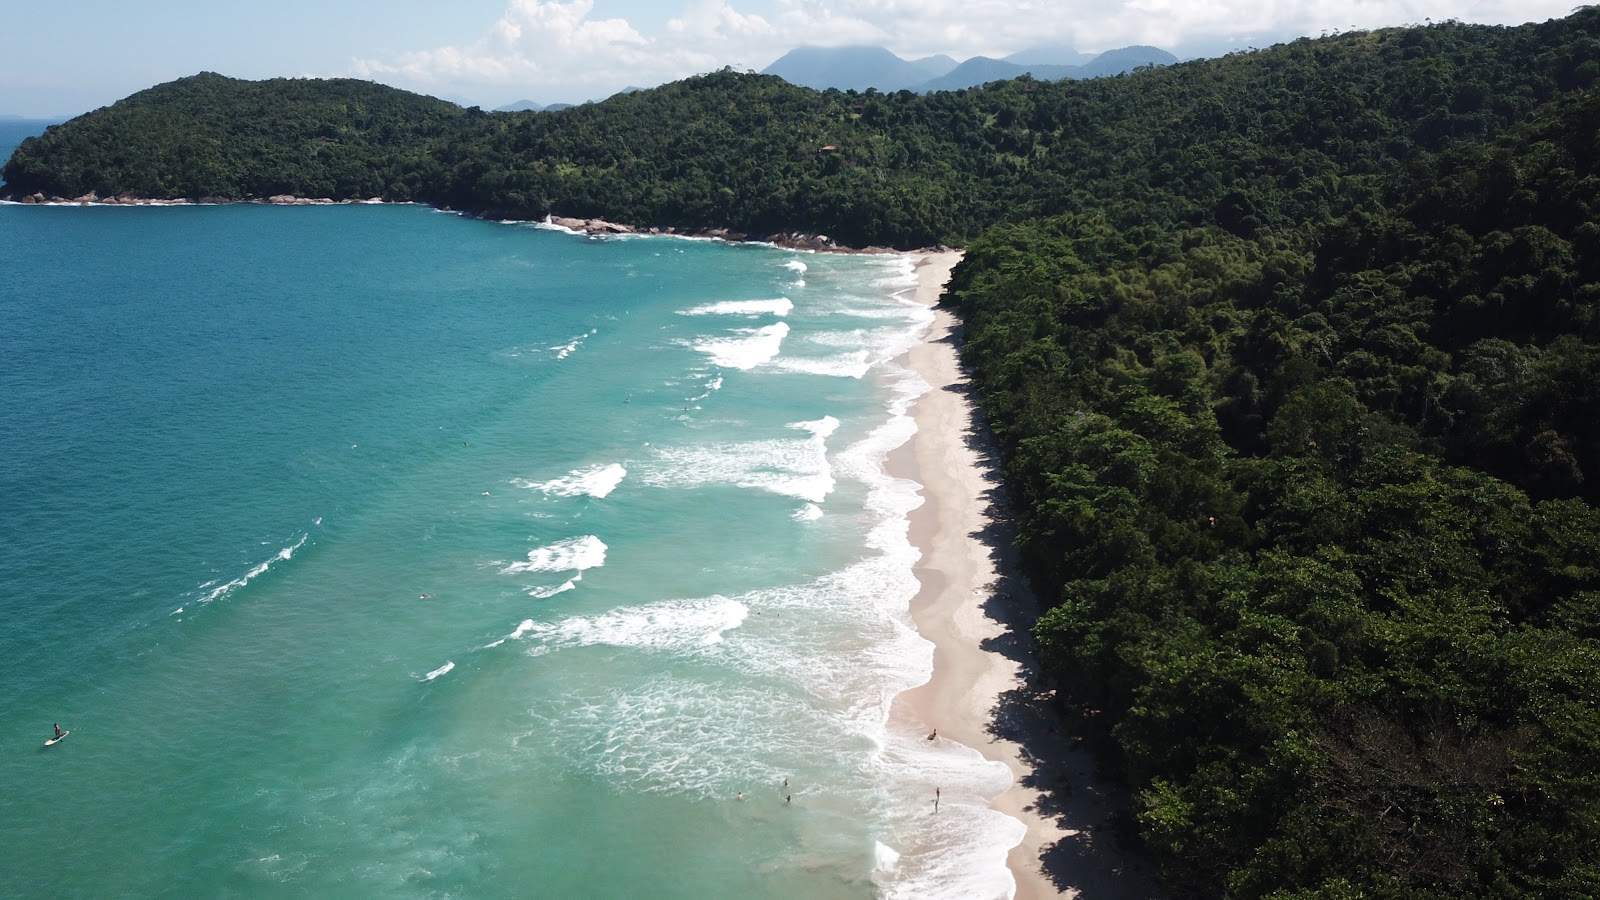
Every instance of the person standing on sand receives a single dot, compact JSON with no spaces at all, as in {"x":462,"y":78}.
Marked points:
{"x":935,"y":799}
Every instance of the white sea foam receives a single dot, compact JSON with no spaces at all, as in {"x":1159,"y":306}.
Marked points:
{"x":563,"y":351}
{"x":594,"y":481}
{"x":748,"y":348}
{"x":547,"y":225}
{"x":796,"y":266}
{"x":580,"y":554}
{"x":780,"y":306}
{"x":791,"y":467}
{"x":900,"y":272}
{"x":671,"y":626}
{"x":524,"y":628}
{"x":545,"y":593}
{"x":675,"y":734}
{"x":808,"y":513}
{"x":442,"y":670}
{"x":711,"y":386}
{"x":261,"y":569}
{"x":854,"y":364}
{"x":896,"y":329}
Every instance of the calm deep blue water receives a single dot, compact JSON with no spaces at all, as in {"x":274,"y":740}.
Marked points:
{"x":370,"y":550}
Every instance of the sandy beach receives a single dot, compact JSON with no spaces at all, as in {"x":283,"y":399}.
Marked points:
{"x":977,"y":612}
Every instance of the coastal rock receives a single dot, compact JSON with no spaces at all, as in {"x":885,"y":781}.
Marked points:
{"x":292,"y":200}
{"x":90,"y":197}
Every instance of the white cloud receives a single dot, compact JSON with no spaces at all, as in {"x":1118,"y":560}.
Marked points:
{"x":557,"y":50}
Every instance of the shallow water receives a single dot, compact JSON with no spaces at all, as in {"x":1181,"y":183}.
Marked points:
{"x":373,"y":549}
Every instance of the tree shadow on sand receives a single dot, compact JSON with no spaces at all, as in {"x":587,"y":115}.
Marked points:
{"x":1100,"y":857}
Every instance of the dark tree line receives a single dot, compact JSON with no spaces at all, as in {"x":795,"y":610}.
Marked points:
{"x":1313,"y":511}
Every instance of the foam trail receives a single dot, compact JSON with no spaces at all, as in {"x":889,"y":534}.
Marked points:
{"x":524,"y":628}
{"x":246,"y":578}
{"x":780,"y":306}
{"x":547,"y":593}
{"x":580,"y":553}
{"x":594,"y":481}
{"x":754,"y":347}
{"x":793,"y":468}
{"x":682,"y":626}
{"x":564,"y":350}
{"x":442,"y":670}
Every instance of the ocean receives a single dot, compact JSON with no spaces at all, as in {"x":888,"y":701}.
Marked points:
{"x":379,"y":551}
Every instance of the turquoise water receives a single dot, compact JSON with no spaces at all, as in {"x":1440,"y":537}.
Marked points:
{"x":371,"y":550}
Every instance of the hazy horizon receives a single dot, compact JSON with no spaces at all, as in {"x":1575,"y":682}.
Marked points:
{"x":491,"y":53}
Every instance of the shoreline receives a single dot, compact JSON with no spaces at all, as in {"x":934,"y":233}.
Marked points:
{"x":594,"y":227}
{"x":975,"y":608}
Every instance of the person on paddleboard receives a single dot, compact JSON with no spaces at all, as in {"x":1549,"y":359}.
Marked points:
{"x":58,"y":731}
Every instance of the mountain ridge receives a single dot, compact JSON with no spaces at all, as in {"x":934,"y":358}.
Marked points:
{"x":863,"y":67}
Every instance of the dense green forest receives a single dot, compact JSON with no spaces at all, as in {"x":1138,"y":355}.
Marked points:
{"x":1293,"y":358}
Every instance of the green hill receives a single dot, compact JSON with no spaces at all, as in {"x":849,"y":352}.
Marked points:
{"x":1292,"y":360}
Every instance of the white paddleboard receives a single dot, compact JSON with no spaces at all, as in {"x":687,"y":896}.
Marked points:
{"x":57,"y":740}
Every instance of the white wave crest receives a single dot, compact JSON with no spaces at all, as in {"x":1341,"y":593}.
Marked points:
{"x":545,"y":593}
{"x":669,"y":626}
{"x":562,"y":351}
{"x":780,"y":306}
{"x":808,"y":513}
{"x":795,"y":265}
{"x":750,"y":348}
{"x":793,"y":468}
{"x":594,"y":481}
{"x":225,"y":589}
{"x":580,"y":553}
{"x":524,"y":628}
{"x":442,"y":670}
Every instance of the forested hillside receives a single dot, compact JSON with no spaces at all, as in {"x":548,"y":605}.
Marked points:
{"x":1191,"y":142}
{"x":1292,"y":358}
{"x":1313,"y":509}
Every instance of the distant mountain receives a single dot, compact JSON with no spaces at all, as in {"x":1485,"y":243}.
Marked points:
{"x":1126,"y":59}
{"x":930,"y":67}
{"x":982,"y":70}
{"x":555,"y":106}
{"x":521,"y":106}
{"x":1049,"y":55}
{"x":855,"y":68}
{"x":860,"y":68}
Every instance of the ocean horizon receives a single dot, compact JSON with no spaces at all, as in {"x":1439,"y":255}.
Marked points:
{"x":376,"y":549}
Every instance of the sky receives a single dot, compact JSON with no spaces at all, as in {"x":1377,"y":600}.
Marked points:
{"x":82,"y":55}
